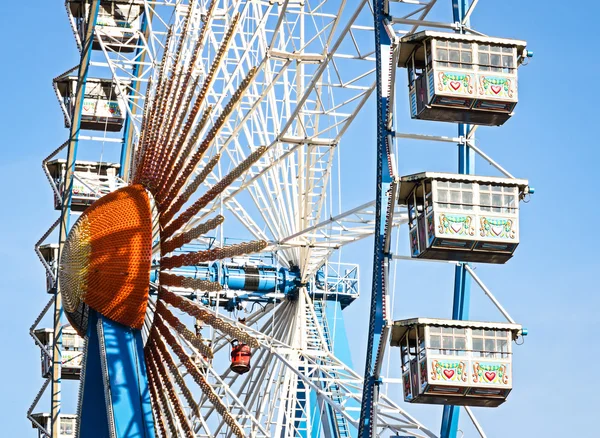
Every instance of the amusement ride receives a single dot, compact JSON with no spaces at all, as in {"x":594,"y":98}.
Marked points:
{"x":195,"y":272}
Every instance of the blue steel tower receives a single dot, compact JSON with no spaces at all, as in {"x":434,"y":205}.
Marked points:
{"x":384,"y":209}
{"x":462,"y":279}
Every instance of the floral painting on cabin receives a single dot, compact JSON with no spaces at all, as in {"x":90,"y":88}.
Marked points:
{"x":448,"y":371}
{"x":456,"y":224}
{"x":113,"y":109}
{"x":455,"y":83}
{"x":89,"y":107}
{"x":490,"y":373}
{"x":496,"y":87}
{"x":497,"y":228}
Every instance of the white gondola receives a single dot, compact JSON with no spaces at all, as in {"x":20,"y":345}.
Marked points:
{"x":71,"y":353}
{"x":102,"y":109}
{"x":465,"y":363}
{"x":462,"y":217}
{"x":92,"y":180}
{"x":67,"y":424}
{"x":118,"y":23}
{"x":461,"y":78}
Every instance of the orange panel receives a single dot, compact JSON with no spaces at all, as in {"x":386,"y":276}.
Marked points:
{"x":117,"y":234}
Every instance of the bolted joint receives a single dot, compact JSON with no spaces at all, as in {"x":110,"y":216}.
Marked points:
{"x":458,"y":26}
{"x":462,"y":140}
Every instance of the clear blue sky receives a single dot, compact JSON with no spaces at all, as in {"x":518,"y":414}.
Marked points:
{"x":550,"y":286}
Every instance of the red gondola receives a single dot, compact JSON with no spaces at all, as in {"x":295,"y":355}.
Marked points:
{"x":240,"y":357}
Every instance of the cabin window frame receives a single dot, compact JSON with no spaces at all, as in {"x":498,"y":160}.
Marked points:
{"x":491,"y":346}
{"x":101,"y":90}
{"x":499,"y":199}
{"x":106,"y":10}
{"x":67,"y":427}
{"x":498,"y":345}
{"x":412,"y":72}
{"x":428,"y":51}
{"x":69,"y":340}
{"x":466,"y":193}
{"x":506,"y":64}
{"x":415,"y":205}
{"x":474,"y":197}
{"x":504,"y":52}
{"x":413,"y":353}
{"x":445,"y":334}
{"x":461,"y":48}
{"x":411,"y":207}
{"x":419,"y":71}
{"x":406,"y":357}
{"x":128,"y":13}
{"x":428,"y":200}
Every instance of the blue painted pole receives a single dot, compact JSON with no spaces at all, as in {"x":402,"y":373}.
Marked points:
{"x":93,"y":416}
{"x":115,"y":400}
{"x":127,"y":394}
{"x":462,"y":281}
{"x":303,"y":404}
{"x":383,"y":207}
{"x":341,"y":350}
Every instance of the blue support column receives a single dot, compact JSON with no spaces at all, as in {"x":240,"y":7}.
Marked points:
{"x":125,"y":373}
{"x":315,"y":416}
{"x":341,"y":350}
{"x":462,"y":281}
{"x":303,"y":404}
{"x":383,"y":209}
{"x":93,"y":419}
{"x":116,"y":397}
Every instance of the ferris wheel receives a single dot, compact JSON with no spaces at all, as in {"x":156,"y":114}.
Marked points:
{"x":201,"y":210}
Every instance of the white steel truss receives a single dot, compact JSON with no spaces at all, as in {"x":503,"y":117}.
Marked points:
{"x":293,"y":359}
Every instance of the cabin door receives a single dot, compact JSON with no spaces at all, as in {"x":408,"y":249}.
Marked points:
{"x":421,"y":92}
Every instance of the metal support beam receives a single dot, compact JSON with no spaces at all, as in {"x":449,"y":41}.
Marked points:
{"x":128,"y":136}
{"x":489,"y":295}
{"x":384,"y":201}
{"x":86,"y":54}
{"x":462,"y":281}
{"x":424,"y":23}
{"x":475,"y":422}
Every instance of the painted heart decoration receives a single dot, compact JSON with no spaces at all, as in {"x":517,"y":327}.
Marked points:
{"x":448,"y":373}
{"x":455,"y":85}
{"x":497,"y":230}
{"x":496,"y":89}
{"x":456,"y":227}
{"x":490,"y":375}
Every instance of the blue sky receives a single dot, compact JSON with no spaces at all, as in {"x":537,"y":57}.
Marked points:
{"x":550,"y":285}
